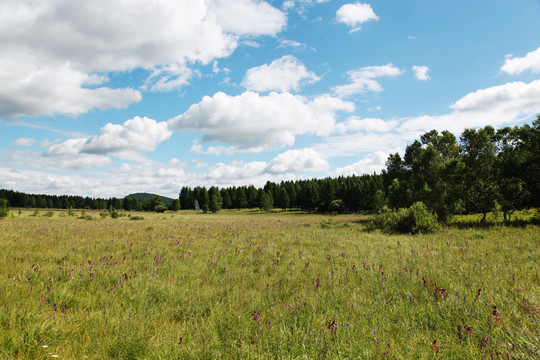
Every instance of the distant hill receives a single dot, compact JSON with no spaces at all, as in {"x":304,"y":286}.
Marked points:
{"x":145,"y":196}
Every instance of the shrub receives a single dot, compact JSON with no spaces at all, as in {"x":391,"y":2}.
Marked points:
{"x":3,"y":208}
{"x":48,"y":214}
{"x":337,"y":206}
{"x":415,"y":219}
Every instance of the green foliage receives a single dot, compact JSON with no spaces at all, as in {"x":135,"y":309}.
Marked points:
{"x":266,"y":202}
{"x":175,"y":205}
{"x":337,"y":206}
{"x":216,"y":201}
{"x":4,"y":211}
{"x":155,"y":203}
{"x":415,"y":219}
{"x":36,"y":213}
{"x":48,"y":214}
{"x":135,"y":217}
{"x":379,"y":201}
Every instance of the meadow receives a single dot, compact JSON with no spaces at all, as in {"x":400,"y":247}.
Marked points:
{"x":251,"y":285}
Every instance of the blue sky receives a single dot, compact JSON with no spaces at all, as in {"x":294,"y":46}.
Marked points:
{"x":104,"y":98}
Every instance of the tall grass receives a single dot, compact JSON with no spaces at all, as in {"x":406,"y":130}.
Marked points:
{"x":250,"y":285}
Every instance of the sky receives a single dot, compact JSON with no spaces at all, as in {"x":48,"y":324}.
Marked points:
{"x":105,"y":98}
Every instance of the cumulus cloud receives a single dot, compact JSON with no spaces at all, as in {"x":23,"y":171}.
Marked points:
{"x":135,"y":135}
{"x":364,"y":79}
{"x":23,"y":141}
{"x":373,"y":163}
{"x":355,"y":15}
{"x":52,"y":50}
{"x":258,"y":172}
{"x":238,"y":170}
{"x":252,"y":122}
{"x":248,"y":17}
{"x":517,"y":65}
{"x":421,"y":72}
{"x":501,"y":105}
{"x":498,"y":105}
{"x":284,"y":75}
{"x":293,"y":161}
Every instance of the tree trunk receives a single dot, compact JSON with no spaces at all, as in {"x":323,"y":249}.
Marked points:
{"x":483,"y":217}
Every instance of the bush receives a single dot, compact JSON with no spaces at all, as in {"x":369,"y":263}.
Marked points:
{"x":337,"y":206}
{"x":3,"y":208}
{"x":414,"y":220}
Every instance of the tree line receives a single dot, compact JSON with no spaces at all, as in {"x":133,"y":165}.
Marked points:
{"x":485,"y":169}
{"x":23,"y":200}
{"x":351,"y":193}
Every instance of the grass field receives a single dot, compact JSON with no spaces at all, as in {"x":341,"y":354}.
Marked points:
{"x":262,"y":286}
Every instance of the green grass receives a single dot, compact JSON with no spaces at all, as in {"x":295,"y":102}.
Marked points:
{"x":187,"y":285}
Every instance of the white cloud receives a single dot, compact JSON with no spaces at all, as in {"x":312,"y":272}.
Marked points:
{"x":355,"y":15}
{"x":284,"y":43}
{"x":356,"y":124}
{"x":517,"y":65}
{"x":52,"y":50}
{"x":23,"y":141}
{"x":369,"y":165}
{"x":293,"y":161}
{"x":284,"y":75}
{"x":236,"y":171}
{"x":301,"y":6}
{"x":287,"y":5}
{"x":137,"y":134}
{"x":251,"y":122}
{"x":30,"y":88}
{"x":285,"y":165}
{"x":248,"y":17}
{"x":363,"y":79}
{"x":505,"y":104}
{"x":167,"y":78}
{"x":509,"y":99}
{"x":421,"y":72}
{"x":502,"y":105}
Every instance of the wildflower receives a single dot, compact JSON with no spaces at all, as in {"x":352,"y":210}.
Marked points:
{"x":256,"y":317}
{"x":468,"y":330}
{"x":459,"y":333}
{"x":478,"y":292}
{"x":435,"y":346}
{"x":496,"y":313}
{"x":317,"y":283}
{"x":332,"y":325}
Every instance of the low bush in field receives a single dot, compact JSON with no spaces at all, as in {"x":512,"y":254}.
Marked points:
{"x":415,"y":219}
{"x":3,"y":208}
